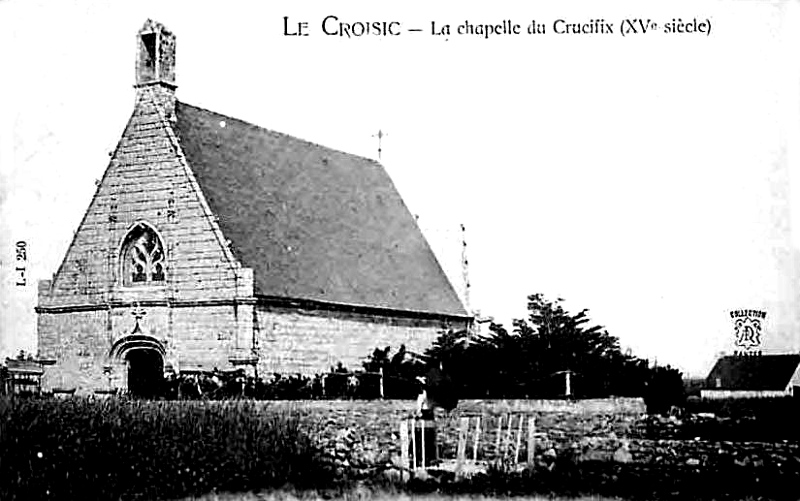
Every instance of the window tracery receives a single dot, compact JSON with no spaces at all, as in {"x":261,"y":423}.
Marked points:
{"x":143,"y":260}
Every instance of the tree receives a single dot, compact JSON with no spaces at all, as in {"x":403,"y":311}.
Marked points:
{"x":536,"y":357}
{"x":552,"y":342}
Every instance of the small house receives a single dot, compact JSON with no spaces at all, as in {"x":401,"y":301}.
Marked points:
{"x":753,"y":376}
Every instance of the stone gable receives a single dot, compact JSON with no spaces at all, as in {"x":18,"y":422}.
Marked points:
{"x":149,"y":181}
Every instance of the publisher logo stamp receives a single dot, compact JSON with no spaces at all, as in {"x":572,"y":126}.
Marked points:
{"x":748,"y":325}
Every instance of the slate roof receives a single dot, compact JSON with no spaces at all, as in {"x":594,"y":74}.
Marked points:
{"x":765,"y":372}
{"x":312,"y":222}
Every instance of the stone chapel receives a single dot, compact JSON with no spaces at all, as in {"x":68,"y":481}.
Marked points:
{"x":214,"y":243}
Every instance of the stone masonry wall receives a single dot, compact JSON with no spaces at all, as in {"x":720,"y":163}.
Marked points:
{"x":206,"y":337}
{"x":307,"y":342}
{"x":79,"y":343}
{"x":196,"y":338}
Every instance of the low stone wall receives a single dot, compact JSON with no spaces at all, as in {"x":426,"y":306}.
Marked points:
{"x":364,"y":435}
{"x":633,"y":406}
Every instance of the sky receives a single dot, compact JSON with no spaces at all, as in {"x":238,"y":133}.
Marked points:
{"x":651,"y":178}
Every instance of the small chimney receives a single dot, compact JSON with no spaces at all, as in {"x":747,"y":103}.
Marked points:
{"x":155,"y":64}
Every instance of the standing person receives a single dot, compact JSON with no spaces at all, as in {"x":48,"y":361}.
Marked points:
{"x":424,"y":404}
{"x":425,"y":425}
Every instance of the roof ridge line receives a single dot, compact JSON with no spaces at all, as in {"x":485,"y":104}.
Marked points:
{"x":209,"y":214}
{"x":271,"y":131}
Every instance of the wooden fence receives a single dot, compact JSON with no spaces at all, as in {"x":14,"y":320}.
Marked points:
{"x":507,"y":440}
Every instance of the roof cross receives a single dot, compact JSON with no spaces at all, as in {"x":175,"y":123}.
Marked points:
{"x":380,"y":135}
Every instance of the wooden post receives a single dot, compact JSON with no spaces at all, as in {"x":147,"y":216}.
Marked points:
{"x":414,"y":443}
{"x":422,"y":436}
{"x":381,"y":383}
{"x":519,"y":439}
{"x":508,"y":437}
{"x":461,"y":450}
{"x":499,"y":436}
{"x":477,"y":439}
{"x":531,"y":440}
{"x":403,"y":448}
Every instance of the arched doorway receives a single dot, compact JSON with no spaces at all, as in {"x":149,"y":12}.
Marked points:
{"x":144,"y":358}
{"x":145,"y":372}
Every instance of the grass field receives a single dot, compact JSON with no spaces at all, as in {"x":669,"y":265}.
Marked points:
{"x":116,"y":449}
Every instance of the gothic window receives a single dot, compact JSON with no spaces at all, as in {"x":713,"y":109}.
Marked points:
{"x":142,"y":257}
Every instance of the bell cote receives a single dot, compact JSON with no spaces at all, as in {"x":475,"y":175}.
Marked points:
{"x":155,"y":64}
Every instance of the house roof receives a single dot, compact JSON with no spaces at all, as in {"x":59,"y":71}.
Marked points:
{"x":765,"y":372}
{"x":24,"y":367}
{"x":313,"y":223}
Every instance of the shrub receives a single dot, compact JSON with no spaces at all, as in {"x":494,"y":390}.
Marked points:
{"x":115,"y":449}
{"x":747,"y":419}
{"x":665,"y":389}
